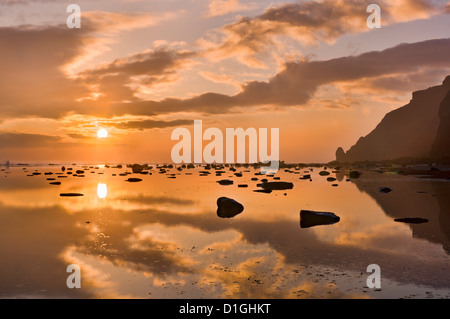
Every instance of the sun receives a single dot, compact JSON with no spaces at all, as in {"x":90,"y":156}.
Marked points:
{"x":102,"y":133}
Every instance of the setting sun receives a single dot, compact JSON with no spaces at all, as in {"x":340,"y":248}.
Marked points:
{"x":102,"y":133}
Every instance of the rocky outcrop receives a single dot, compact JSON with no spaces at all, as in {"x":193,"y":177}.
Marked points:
{"x":419,"y":129}
{"x":441,"y":147}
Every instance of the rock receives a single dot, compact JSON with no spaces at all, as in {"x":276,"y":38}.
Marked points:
{"x":71,"y":195}
{"x":409,"y":220}
{"x":63,"y":168}
{"x":340,"y":155}
{"x":277,"y":185}
{"x":265,"y":191}
{"x":228,"y":208}
{"x":331,"y":179}
{"x":225,"y":182}
{"x":137,"y":168}
{"x":243,"y":186}
{"x":305,"y":177}
{"x":411,"y":131}
{"x":55,"y":183}
{"x":354,"y":174}
{"x":134,"y":180}
{"x":310,"y":218}
{"x":79,"y":172}
{"x":324,"y":173}
{"x":385,"y":190}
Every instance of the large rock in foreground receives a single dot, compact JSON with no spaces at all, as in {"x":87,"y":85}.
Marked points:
{"x":228,"y":208}
{"x":310,"y":218}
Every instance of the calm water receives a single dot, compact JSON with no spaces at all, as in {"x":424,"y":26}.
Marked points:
{"x":162,"y":238}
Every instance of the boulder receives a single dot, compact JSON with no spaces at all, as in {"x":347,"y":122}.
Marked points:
{"x":410,"y":220}
{"x":71,"y":195}
{"x":277,"y":185}
{"x":228,"y":208}
{"x":225,"y":182}
{"x":385,"y":190}
{"x":354,"y":174}
{"x":310,"y":218}
{"x":265,"y":191}
{"x":137,"y":168}
{"x":134,"y":180}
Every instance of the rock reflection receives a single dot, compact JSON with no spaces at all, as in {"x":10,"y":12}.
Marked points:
{"x":414,"y":198}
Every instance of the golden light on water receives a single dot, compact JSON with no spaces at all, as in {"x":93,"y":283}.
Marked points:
{"x":102,"y":190}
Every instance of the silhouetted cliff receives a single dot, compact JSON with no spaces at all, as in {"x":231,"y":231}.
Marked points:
{"x":417,"y":130}
{"x":441,"y":147}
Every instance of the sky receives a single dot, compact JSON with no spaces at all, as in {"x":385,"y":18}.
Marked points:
{"x":142,"y":68}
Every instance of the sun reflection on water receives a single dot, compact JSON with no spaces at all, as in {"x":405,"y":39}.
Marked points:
{"x":102,"y":190}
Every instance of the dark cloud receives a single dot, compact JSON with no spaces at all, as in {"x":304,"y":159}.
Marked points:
{"x":148,"y":63}
{"x":22,"y":140}
{"x":298,"y":81}
{"x":152,"y":66}
{"x":148,"y":124}
{"x":78,"y":136}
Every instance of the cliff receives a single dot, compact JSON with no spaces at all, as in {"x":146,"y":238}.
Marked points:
{"x":419,"y":129}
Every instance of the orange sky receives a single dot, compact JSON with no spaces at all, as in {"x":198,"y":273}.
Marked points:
{"x":140,"y":69}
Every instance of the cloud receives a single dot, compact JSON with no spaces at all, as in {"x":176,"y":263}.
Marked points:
{"x":309,"y":22}
{"x":219,"y":78}
{"x":148,"y":124}
{"x":31,"y":62}
{"x":21,"y":140}
{"x":34,"y":64}
{"x":146,"y":68}
{"x":224,"y":7}
{"x":297,"y":83}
